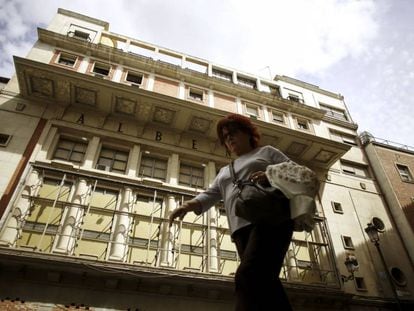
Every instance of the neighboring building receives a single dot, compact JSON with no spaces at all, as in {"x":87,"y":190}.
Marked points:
{"x":103,"y":135}
{"x":393,"y":166}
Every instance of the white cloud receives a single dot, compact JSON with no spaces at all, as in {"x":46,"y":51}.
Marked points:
{"x":362,"y":49}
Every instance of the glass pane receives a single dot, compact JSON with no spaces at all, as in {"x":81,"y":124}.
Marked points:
{"x":107,"y":153}
{"x":161,"y":164}
{"x":62,"y":154}
{"x":121,"y":156}
{"x":80,"y":147}
{"x":65,"y":144}
{"x":76,"y":157}
{"x":120,"y":166}
{"x":159,"y":174}
{"x":106,"y":162}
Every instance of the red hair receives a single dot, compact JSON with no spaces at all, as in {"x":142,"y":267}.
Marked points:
{"x":237,"y":121}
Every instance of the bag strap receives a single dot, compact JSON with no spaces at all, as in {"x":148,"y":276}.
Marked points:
{"x":233,"y":173}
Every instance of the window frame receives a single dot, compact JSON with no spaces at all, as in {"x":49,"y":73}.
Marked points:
{"x":248,"y":106}
{"x":101,"y":65}
{"x":408,"y":175}
{"x":334,"y":112}
{"x":68,"y":56}
{"x":222,"y":74}
{"x":113,"y":160}
{"x":354,"y":171}
{"x":191,"y":176}
{"x":360,"y":280}
{"x":75,"y":142}
{"x":190,"y":94}
{"x":247,"y":82}
{"x":156,"y":159}
{"x":347,"y":242}
{"x":343,"y":137}
{"x":337,"y":207}
{"x":136,"y":74}
{"x":299,"y":120}
{"x":283,"y":115}
{"x":7,"y":139}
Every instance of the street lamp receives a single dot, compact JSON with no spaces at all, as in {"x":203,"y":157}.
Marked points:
{"x":352,"y":265}
{"x":372,"y":231}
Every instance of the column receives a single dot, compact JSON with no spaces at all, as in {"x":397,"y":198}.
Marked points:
{"x":167,"y":234}
{"x":213,"y":262}
{"x":181,"y":90}
{"x":210,"y":98}
{"x":239,"y":105}
{"x":173,"y":169}
{"x":73,"y":215}
{"x":21,"y":209}
{"x":91,"y":152}
{"x":47,"y":144}
{"x":84,"y":64}
{"x":151,"y":80}
{"x":118,"y":73}
{"x":122,"y":222}
{"x":291,"y":264}
{"x":234,"y":77}
{"x":132,"y":165}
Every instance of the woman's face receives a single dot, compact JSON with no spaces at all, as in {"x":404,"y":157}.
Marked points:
{"x":237,"y":141}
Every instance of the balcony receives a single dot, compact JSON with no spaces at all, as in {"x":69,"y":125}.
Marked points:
{"x":101,"y":98}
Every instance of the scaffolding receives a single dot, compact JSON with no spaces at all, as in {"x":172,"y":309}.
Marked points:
{"x":141,"y":240}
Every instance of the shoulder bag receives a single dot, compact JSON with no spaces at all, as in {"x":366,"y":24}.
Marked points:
{"x":259,"y":204}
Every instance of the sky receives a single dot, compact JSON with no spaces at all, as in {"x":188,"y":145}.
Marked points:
{"x":362,"y":49}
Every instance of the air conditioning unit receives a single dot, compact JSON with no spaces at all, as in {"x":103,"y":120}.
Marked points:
{"x":101,"y":167}
{"x":99,"y":75}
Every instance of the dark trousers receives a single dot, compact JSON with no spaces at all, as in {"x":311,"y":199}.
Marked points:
{"x":262,"y":249}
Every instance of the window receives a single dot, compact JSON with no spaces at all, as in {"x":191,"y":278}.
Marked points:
{"x":4,"y":140}
{"x":101,"y":70}
{"x":360,"y":284}
{"x":191,"y":176}
{"x":302,"y":124}
{"x":398,"y":276}
{"x":224,"y":75}
{"x":70,"y":150}
{"x":134,"y":78}
{"x":153,"y":167}
{"x":246,"y":82}
{"x":195,"y":94}
{"x":334,"y":112}
{"x":295,"y":98}
{"x":354,"y":169}
{"x":112,"y":160}
{"x":67,"y":59}
{"x":278,"y":117}
{"x":405,"y":173}
{"x":347,"y":242}
{"x":343,"y":137}
{"x":272,"y":89}
{"x":252,"y":111}
{"x":81,"y":35}
{"x":337,"y":207}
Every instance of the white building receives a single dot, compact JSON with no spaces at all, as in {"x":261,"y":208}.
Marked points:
{"x":103,"y":135}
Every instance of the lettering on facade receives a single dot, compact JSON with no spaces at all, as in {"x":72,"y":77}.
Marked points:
{"x":120,"y":127}
{"x":194,"y":144}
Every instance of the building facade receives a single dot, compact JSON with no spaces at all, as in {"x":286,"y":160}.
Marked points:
{"x":103,"y":135}
{"x":393,"y":166}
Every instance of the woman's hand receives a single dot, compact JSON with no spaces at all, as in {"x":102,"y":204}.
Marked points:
{"x":260,"y":178}
{"x":187,"y":206}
